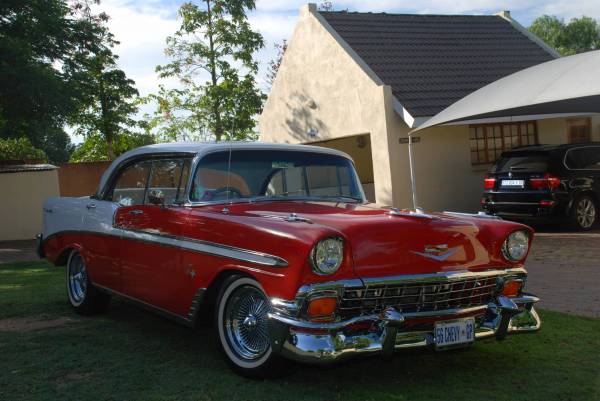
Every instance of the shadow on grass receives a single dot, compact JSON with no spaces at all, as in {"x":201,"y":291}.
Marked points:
{"x":128,"y":353}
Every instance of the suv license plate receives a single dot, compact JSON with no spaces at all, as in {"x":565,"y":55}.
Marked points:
{"x":454,"y":332}
{"x":513,"y":183}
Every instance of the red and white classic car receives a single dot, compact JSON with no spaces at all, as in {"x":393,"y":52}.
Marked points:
{"x":280,"y":242}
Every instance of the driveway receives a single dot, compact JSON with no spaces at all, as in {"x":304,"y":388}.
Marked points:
{"x":564,"y":271}
{"x":564,"y":268}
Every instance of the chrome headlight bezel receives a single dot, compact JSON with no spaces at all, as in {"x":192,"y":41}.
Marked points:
{"x":516,"y":246}
{"x":336,"y":245}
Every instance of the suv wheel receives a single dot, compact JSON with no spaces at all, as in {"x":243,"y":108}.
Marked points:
{"x":242,"y":328}
{"x":584,"y":213}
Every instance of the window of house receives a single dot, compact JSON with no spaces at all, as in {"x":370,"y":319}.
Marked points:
{"x":488,"y":141}
{"x":579,"y":130}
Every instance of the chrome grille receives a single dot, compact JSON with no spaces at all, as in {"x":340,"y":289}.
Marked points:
{"x":418,"y":296}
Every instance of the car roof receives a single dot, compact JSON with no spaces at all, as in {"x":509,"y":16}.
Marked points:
{"x":201,"y":148}
{"x":549,"y":147}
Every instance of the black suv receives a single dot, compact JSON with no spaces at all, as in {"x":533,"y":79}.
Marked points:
{"x":546,"y":181}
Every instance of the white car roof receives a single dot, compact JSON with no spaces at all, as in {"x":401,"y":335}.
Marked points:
{"x":200,"y":148}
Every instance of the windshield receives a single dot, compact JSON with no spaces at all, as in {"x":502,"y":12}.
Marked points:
{"x":268,"y":174}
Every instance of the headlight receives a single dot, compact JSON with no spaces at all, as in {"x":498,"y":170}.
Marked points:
{"x":515,"y":247}
{"x":326,"y":257}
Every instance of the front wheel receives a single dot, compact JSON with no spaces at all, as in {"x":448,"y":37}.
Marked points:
{"x":83,"y":296}
{"x":242,"y":328}
{"x":584,"y":213}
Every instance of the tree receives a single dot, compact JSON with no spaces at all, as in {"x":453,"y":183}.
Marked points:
{"x":20,"y":149}
{"x":107,"y":94}
{"x":276,"y":62}
{"x":578,"y":36}
{"x":36,"y":98}
{"x":214,"y":43}
{"x":95,"y":147}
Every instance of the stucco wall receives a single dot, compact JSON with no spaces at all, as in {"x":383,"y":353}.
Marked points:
{"x":321,"y":86}
{"x":23,"y":196}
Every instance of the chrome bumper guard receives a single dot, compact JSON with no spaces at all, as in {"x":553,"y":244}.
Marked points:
{"x":323,"y":342}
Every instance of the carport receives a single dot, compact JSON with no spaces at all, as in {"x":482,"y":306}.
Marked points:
{"x":565,"y":87}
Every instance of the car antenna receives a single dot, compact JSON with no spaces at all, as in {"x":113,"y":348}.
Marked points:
{"x":225,"y":210}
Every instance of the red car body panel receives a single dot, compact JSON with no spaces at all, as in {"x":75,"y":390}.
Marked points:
{"x":379,"y":244}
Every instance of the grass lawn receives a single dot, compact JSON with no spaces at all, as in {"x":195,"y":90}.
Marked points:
{"x":129,"y":354}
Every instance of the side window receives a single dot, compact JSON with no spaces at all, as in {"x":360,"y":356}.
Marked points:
{"x":584,"y":158}
{"x":169,"y":177}
{"x":130,"y":187}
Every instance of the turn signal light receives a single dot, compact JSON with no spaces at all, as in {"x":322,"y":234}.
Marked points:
{"x":547,"y":182}
{"x":489,"y":182}
{"x":512,"y":288}
{"x":322,"y":307}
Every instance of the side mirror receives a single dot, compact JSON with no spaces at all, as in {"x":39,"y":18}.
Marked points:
{"x":156,"y":197}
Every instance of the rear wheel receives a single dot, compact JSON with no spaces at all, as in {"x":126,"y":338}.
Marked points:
{"x":242,"y":328}
{"x":584,"y":213}
{"x":83,"y":296}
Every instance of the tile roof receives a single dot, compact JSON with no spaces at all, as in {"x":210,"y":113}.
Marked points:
{"x":431,"y":61}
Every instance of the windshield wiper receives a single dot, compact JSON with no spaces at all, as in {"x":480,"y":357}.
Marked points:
{"x":346,"y":197}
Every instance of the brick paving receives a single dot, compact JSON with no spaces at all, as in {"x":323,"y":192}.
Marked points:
{"x":564,"y":269}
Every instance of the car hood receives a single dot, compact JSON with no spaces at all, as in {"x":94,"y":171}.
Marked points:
{"x":387,"y":243}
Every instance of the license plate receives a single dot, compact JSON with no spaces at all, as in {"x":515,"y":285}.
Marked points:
{"x":454,"y":332}
{"x":513,"y":183}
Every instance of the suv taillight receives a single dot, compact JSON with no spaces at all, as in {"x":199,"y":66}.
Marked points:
{"x":489,"y":182}
{"x":547,"y":182}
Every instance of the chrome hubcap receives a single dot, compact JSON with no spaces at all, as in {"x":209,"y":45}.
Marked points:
{"x":586,"y":213}
{"x":77,"y":278}
{"x":246,"y":323}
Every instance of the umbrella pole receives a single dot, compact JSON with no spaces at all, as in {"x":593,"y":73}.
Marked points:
{"x":413,"y":180}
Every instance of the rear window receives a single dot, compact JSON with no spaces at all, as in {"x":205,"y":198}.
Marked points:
{"x":528,"y":162}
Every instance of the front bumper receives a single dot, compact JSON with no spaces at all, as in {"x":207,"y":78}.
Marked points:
{"x":314,"y":342}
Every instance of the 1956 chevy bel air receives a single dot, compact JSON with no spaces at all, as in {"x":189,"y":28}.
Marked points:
{"x":279,"y":241}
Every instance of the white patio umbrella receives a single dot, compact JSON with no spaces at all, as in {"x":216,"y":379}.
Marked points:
{"x":563,"y":87}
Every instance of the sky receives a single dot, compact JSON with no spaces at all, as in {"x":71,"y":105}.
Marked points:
{"x":143,"y":25}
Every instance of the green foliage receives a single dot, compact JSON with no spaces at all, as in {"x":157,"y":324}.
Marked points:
{"x":107,"y":94}
{"x":214,"y":43}
{"x":35,"y":97}
{"x":20,"y":149}
{"x":95,"y":147}
{"x":578,"y":36}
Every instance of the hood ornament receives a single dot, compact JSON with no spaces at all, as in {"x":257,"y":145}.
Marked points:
{"x":437,"y":252}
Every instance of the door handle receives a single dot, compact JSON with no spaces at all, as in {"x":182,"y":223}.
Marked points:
{"x":91,"y":206}
{"x":136,"y":212}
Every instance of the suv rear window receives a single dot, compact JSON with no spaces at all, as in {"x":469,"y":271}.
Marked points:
{"x":521,"y":162}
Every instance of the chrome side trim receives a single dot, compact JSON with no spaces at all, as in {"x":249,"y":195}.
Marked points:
{"x":207,"y":247}
{"x":211,"y":248}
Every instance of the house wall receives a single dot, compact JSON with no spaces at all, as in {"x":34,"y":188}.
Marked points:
{"x":23,"y":196}
{"x":321,"y":86}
